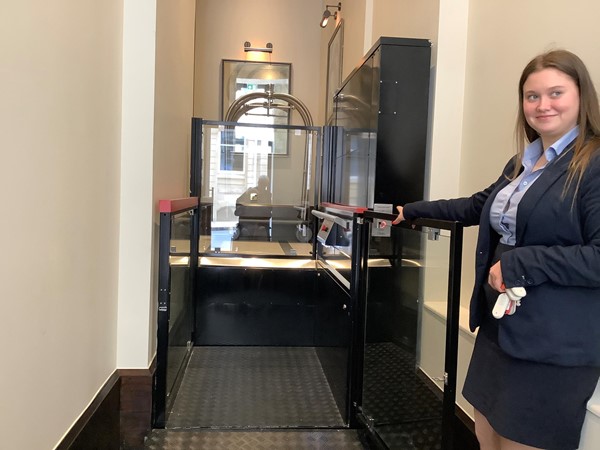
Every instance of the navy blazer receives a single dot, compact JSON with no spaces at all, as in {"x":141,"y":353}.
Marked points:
{"x":556,"y":258}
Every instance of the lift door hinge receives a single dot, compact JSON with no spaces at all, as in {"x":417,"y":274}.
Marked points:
{"x":444,"y":378}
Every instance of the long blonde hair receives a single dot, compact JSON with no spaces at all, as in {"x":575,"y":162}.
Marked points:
{"x":588,"y":140}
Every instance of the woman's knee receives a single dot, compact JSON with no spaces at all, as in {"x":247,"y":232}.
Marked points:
{"x":486,"y":435}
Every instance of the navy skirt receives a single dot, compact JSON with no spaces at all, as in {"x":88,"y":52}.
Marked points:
{"x":536,"y":404}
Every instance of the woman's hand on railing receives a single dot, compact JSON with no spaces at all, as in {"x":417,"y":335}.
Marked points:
{"x":400,"y":217}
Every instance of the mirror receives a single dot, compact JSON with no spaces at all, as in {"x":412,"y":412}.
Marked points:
{"x":241,"y":78}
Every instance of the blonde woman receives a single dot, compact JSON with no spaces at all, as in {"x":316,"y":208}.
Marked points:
{"x":535,"y":367}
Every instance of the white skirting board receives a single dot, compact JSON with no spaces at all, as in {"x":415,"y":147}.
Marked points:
{"x":590,"y":435}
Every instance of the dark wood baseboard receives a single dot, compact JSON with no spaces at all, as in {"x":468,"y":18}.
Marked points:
{"x":119,"y":417}
{"x":136,"y":405}
{"x":99,"y":423}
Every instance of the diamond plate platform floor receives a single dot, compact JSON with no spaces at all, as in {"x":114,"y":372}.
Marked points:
{"x":408,"y":415}
{"x":253,"y":440}
{"x":421,"y":435}
{"x":254,"y":387}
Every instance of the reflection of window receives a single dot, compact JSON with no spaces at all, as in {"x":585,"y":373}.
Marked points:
{"x":232,"y":151}
{"x":231,"y":160}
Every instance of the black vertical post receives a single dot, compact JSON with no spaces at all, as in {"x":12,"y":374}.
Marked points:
{"x":452,"y":330}
{"x":196,"y":158}
{"x":195,"y":191}
{"x":164,"y":292}
{"x":194,"y":243}
{"x":359,"y":287}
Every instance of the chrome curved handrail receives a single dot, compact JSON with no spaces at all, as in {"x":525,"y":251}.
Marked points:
{"x":244,"y":104}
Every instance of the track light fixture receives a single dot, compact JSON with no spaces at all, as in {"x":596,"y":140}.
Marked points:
{"x":327,"y":14}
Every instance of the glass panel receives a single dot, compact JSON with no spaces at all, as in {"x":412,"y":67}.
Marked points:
{"x":354,"y":162}
{"x":259,"y":201}
{"x":354,"y":168}
{"x":405,"y":337}
{"x":335,"y":246}
{"x":180,"y":306}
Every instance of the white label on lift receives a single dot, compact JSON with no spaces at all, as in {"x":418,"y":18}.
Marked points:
{"x":382,"y":228}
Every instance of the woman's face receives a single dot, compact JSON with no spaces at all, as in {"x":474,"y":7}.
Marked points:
{"x":550,"y":104}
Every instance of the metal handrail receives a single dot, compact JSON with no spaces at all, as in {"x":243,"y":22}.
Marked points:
{"x":421,"y":222}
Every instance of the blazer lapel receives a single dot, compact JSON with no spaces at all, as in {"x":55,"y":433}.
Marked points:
{"x":533,"y":197}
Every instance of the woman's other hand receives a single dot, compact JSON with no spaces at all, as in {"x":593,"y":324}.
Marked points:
{"x":400,"y":217}
{"x":495,"y":279}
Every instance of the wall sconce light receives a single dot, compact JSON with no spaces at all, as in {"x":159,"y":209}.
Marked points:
{"x":327,"y":14}
{"x":266,"y":49}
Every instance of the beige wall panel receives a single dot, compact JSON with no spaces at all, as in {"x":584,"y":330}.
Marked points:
{"x":61,"y":117}
{"x":353,"y":13}
{"x":406,"y":18}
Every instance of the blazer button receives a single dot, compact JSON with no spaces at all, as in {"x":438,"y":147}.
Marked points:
{"x":529,"y":281}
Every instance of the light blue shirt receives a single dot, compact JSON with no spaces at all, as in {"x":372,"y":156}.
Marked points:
{"x":503,"y":214}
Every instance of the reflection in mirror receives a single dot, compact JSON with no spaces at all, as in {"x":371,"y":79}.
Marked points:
{"x":248,"y":79}
{"x":240,"y":78}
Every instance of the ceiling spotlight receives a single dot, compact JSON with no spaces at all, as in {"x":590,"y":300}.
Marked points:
{"x":327,"y":14}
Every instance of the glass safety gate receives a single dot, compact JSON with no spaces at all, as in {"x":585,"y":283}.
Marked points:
{"x":178,"y":258}
{"x":407,"y":311}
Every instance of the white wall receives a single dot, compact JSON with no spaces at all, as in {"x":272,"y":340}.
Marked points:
{"x":137,"y":140}
{"x":60,"y":121}
{"x":157,"y":105}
